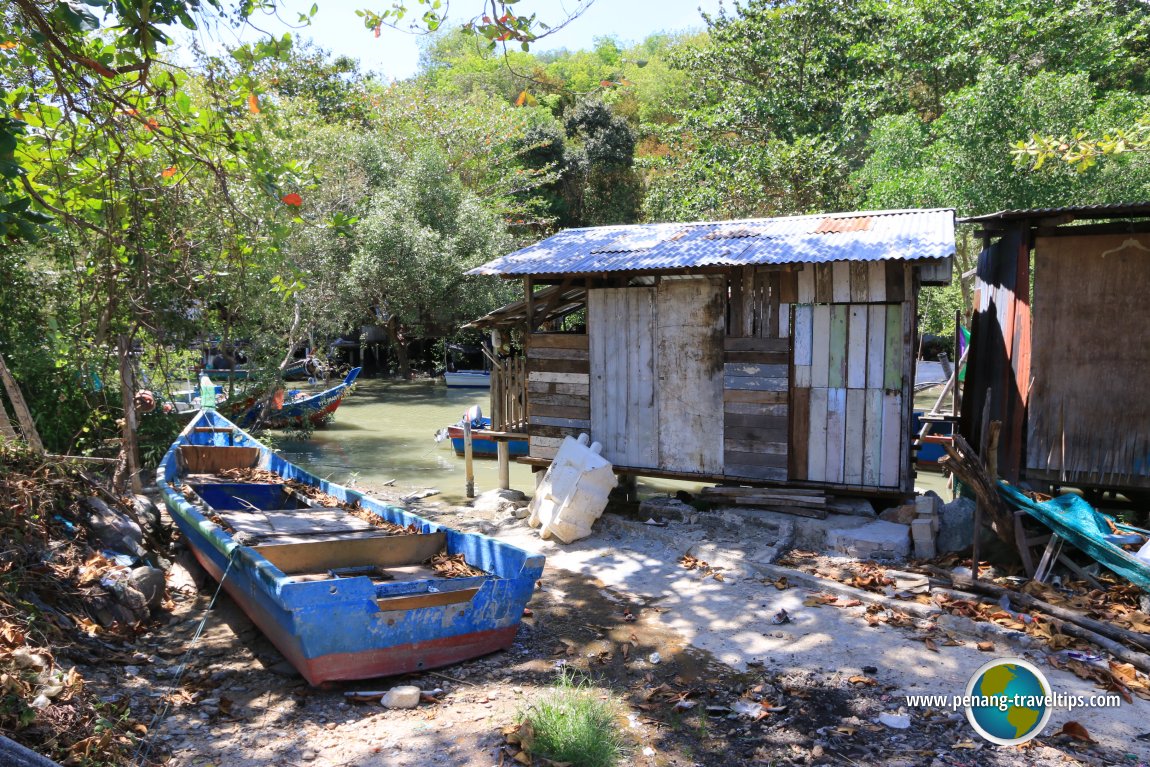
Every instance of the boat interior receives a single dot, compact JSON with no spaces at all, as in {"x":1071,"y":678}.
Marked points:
{"x":311,"y":536}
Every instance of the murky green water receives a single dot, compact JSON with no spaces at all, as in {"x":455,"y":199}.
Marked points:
{"x":385,"y":430}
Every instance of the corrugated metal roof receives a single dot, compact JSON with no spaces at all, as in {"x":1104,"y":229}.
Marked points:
{"x":904,"y":235}
{"x":1112,"y":210}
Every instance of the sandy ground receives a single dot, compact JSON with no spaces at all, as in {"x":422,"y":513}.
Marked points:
{"x":604,"y":605}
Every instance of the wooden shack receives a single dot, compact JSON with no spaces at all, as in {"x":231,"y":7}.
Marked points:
{"x":1061,"y":360}
{"x":759,"y":351}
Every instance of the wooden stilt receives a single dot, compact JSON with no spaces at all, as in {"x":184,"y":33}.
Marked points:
{"x":503,"y":452}
{"x":469,"y":467}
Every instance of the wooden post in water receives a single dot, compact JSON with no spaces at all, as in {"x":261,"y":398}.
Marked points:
{"x":467,"y":458}
{"x":503,"y":451}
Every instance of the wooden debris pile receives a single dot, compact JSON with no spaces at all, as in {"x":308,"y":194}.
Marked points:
{"x":54,"y":588}
{"x":803,"y":503}
{"x":452,"y":566}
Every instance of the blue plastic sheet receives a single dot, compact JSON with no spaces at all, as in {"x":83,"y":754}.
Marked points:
{"x":1086,"y":529}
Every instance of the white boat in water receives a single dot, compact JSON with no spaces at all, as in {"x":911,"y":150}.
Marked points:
{"x":468,"y":379}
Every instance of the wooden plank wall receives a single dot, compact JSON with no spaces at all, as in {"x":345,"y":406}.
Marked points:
{"x":558,"y":390}
{"x":1088,"y":414}
{"x":756,"y":374}
{"x":849,"y":376}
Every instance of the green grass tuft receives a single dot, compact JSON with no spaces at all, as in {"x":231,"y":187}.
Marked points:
{"x":573,"y":723}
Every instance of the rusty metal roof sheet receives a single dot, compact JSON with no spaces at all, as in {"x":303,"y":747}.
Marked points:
{"x":861,"y":236}
{"x":1112,"y":210}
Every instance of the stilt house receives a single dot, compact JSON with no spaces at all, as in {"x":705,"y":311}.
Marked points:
{"x":1061,"y":360}
{"x":774,"y":351}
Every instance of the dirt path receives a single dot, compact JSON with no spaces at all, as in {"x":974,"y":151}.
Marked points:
{"x":603,"y":607}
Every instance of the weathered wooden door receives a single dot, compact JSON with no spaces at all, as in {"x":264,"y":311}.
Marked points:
{"x":689,"y":359}
{"x":851,"y":375}
{"x":621,"y":335}
{"x":657,"y":374}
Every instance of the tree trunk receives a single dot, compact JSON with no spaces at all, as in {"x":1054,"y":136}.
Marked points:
{"x":400,"y":346}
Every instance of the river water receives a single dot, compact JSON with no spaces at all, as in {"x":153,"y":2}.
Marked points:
{"x":385,"y":431}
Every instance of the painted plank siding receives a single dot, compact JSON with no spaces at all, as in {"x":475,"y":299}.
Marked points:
{"x":849,"y":373}
{"x":558,"y":387}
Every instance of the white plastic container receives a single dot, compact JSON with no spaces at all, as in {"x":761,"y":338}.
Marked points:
{"x":1144,"y":553}
{"x":573,"y":492}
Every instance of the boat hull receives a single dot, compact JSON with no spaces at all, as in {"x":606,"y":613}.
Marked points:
{"x":344,"y":628}
{"x":484,"y":448}
{"x":314,"y":410}
{"x":467,"y":379}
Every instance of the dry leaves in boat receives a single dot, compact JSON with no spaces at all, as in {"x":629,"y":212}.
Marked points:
{"x":452,"y":566}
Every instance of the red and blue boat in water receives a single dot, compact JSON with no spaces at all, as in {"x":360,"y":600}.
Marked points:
{"x":297,"y":408}
{"x":345,"y":586}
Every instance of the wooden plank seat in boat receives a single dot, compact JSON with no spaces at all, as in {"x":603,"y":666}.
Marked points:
{"x":296,"y":522}
{"x":209,"y":459}
{"x":394,"y":551}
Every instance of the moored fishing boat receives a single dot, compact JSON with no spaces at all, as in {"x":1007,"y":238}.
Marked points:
{"x":298,"y":407}
{"x":344,"y":586}
{"x":480,"y":447}
{"x":467,"y":379}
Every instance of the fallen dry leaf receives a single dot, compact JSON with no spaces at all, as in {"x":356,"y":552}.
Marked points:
{"x":860,"y":679}
{"x":986,"y":646}
{"x":1076,"y":731}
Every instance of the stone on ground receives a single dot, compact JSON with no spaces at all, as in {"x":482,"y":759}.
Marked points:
{"x":404,"y":696}
{"x":955,"y":526}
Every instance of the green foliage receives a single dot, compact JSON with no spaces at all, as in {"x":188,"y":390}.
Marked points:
{"x":960,"y":159}
{"x":792,"y":98}
{"x":418,"y":234}
{"x":573,"y":723}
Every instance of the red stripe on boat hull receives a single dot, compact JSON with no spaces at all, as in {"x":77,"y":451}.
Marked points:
{"x":402,"y":659}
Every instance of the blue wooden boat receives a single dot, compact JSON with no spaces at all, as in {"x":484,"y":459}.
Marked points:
{"x":342,"y":596}
{"x":483,"y":448}
{"x":299,"y":408}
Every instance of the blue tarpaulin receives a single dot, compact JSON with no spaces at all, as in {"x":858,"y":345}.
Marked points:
{"x":1086,"y":529}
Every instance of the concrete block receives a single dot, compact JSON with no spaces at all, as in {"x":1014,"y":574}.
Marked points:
{"x":927,"y":506}
{"x":922,"y":532}
{"x":874,"y":540}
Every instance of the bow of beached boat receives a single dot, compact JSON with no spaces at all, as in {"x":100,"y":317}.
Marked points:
{"x":344,"y":586}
